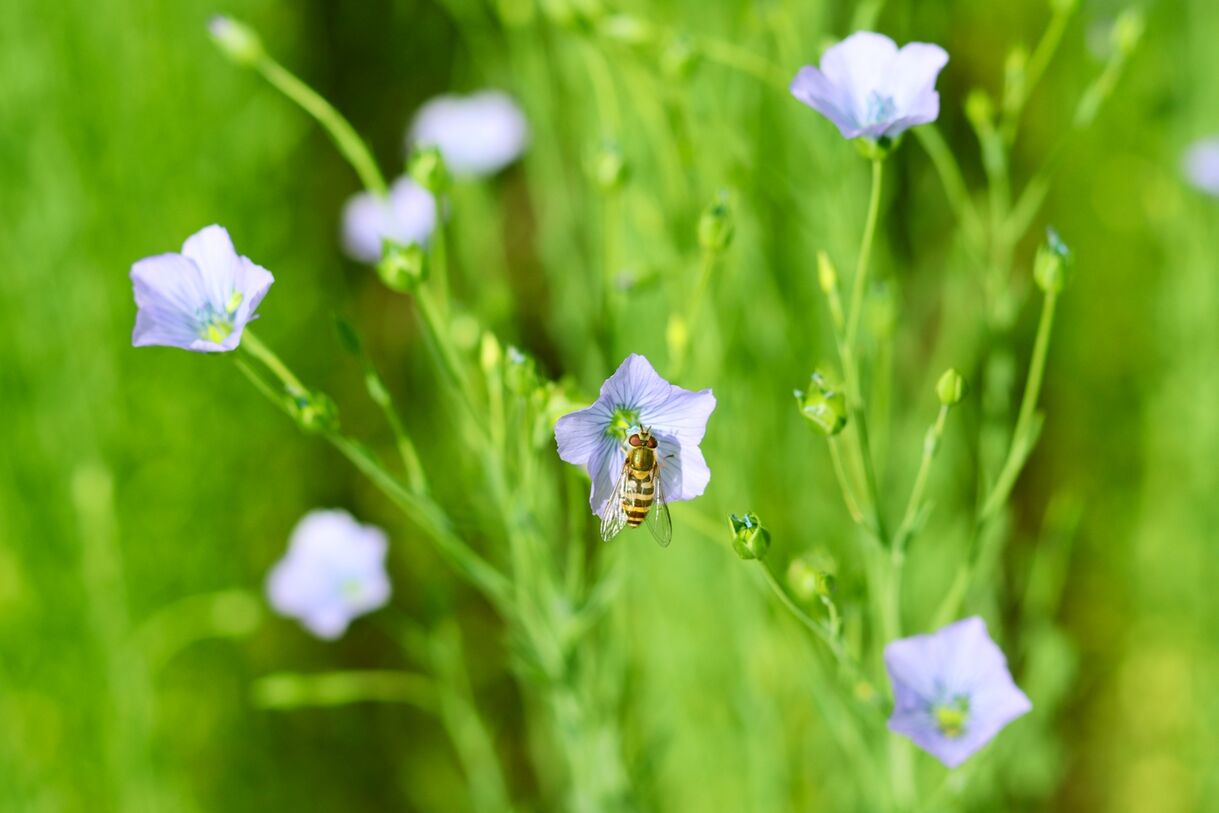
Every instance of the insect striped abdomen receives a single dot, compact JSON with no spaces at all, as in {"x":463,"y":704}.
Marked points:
{"x":637,"y":498}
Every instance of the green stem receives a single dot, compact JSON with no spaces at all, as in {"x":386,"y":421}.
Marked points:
{"x":260,"y":351}
{"x":291,"y":690}
{"x":914,"y":505}
{"x":733,"y":56}
{"x":440,"y":257}
{"x":840,"y":474}
{"x":341,"y":132}
{"x":1047,"y":46}
{"x":1021,"y":443}
{"x":859,"y":285}
{"x":953,"y":182}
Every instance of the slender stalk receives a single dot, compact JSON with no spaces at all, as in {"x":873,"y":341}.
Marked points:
{"x":953,"y":182}
{"x":859,"y":285}
{"x":1021,"y":435}
{"x":731,"y":55}
{"x":914,"y":505}
{"x":840,"y":474}
{"x":439,"y":271}
{"x":340,"y":130}
{"x":1047,"y":46}
{"x":260,"y":351}
{"x":291,"y":690}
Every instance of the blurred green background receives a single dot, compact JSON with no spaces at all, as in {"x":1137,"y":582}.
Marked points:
{"x":133,"y":480}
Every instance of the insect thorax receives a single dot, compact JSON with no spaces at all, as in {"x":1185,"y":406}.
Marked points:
{"x":641,"y":460}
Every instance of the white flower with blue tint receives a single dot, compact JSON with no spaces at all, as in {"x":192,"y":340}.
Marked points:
{"x":198,"y":300}
{"x":1202,"y":165}
{"x":870,"y":89}
{"x":478,"y":134}
{"x":334,"y":571}
{"x":407,"y":215}
{"x":635,"y":397}
{"x":952,"y":691}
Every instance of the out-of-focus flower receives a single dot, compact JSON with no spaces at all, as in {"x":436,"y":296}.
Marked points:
{"x":952,"y":691}
{"x":1202,"y":165}
{"x":198,"y":300}
{"x":407,"y":215}
{"x":870,"y":89}
{"x":636,"y":396}
{"x":478,"y":134}
{"x":334,"y":571}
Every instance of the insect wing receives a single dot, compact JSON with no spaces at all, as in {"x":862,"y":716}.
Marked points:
{"x":613,"y":519}
{"x":659,"y":522}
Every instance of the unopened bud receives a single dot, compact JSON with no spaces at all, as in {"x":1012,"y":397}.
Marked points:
{"x":238,"y":41}
{"x":315,"y":412}
{"x":1128,"y":31}
{"x":1052,"y":263}
{"x":521,"y":372}
{"x":715,"y":225}
{"x":607,"y":166}
{"x":490,"y":354}
{"x":950,"y":388}
{"x":808,"y":582}
{"x":979,"y":108}
{"x":823,"y":405}
{"x":827,"y":275}
{"x":749,"y":539}
{"x":402,"y":268}
{"x":427,"y":168}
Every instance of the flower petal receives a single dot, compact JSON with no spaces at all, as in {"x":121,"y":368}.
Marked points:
{"x":212,"y":250}
{"x":477,"y":134}
{"x":859,"y":66}
{"x":813,"y":88}
{"x":169,"y":291}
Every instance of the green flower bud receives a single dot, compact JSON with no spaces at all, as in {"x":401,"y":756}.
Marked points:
{"x":428,"y":169}
{"x":315,"y":412}
{"x":238,"y":41}
{"x":827,"y":275}
{"x":979,"y":108}
{"x":490,"y":354}
{"x":950,"y":388}
{"x":680,"y":57}
{"x":823,"y":405}
{"x":749,"y":539}
{"x":807,"y":582}
{"x":521,"y":372}
{"x":607,"y":166}
{"x":402,"y":268}
{"x":1128,"y":31}
{"x":1052,"y":263}
{"x":715,"y":225}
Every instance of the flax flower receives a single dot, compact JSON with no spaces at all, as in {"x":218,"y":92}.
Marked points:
{"x":636,"y":396}
{"x":198,"y":300}
{"x":478,"y":135}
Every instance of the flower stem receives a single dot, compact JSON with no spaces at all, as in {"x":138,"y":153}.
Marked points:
{"x":340,"y":130}
{"x":740,"y":59}
{"x":859,"y":285}
{"x":914,"y":506}
{"x":272,"y":362}
{"x":1023,"y":435}
{"x":440,"y":257}
{"x":291,"y":690}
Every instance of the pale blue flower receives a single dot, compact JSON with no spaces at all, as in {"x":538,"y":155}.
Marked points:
{"x":952,"y":691}
{"x":870,"y":89}
{"x":334,"y":571}
{"x":198,"y":300}
{"x":407,"y":215}
{"x":1202,"y":165}
{"x":636,"y":396}
{"x":478,"y":134}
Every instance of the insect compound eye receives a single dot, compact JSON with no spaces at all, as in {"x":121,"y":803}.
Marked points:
{"x":635,"y":441}
{"x":651,"y":443}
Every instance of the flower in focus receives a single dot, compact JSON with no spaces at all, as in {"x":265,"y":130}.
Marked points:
{"x":636,"y":396}
{"x":1202,"y":165}
{"x":869,"y":88}
{"x":478,"y":134}
{"x":198,"y":300}
{"x":407,"y":215}
{"x":952,"y":691}
{"x":334,"y":571}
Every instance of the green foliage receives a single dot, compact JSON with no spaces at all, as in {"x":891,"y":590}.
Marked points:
{"x":144,"y":494}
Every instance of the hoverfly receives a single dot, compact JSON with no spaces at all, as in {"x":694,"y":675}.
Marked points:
{"x":639,"y":494}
